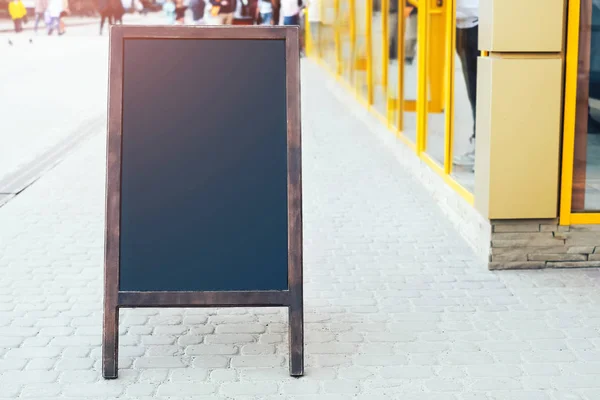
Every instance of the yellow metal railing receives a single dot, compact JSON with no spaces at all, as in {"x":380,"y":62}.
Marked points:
{"x":353,"y":45}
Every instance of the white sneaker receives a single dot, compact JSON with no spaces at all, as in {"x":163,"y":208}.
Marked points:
{"x":465,"y":160}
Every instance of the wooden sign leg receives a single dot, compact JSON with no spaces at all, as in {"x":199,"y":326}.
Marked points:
{"x":110,"y":342}
{"x":296,"y":327}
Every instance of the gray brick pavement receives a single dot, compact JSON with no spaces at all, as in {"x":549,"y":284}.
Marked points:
{"x":396,"y":308}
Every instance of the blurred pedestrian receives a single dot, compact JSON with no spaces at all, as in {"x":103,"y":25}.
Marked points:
{"x":169,"y":10}
{"x":222,"y":11}
{"x":276,"y":12}
{"x":265,"y":11}
{"x":106,"y":13}
{"x":393,"y":30}
{"x":18,"y":14}
{"x":180,"y":8}
{"x":291,"y":10}
{"x":140,"y":6}
{"x":55,"y":8}
{"x":314,"y":23}
{"x":61,"y":22}
{"x":117,"y":10}
{"x":411,"y":19}
{"x":198,"y":8}
{"x":40,"y":10}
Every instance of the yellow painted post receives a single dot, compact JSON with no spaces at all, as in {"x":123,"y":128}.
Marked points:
{"x":369,"y":37}
{"x":423,"y":70}
{"x":338,"y":41}
{"x":321,"y":29}
{"x":437,"y":36}
{"x":570,"y":103}
{"x":307,"y":34}
{"x":449,"y":84}
{"x":352,"y":7}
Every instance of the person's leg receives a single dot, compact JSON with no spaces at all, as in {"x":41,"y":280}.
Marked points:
{"x":102,"y":21}
{"x":229,"y":19}
{"x":53,"y":25}
{"x":38,"y":17}
{"x":266,"y":18}
{"x":314,"y":36}
{"x":17,"y":23}
{"x":393,"y":35}
{"x":466,"y":48}
{"x":471,"y":53}
{"x":410,"y":40}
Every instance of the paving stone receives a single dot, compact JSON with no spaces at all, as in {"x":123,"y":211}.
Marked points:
{"x":256,"y":361}
{"x":189,"y":375}
{"x":211,"y":349}
{"x":223,"y":375}
{"x":159,"y":362}
{"x":249,"y":389}
{"x":186,"y":389}
{"x":101,"y":389}
{"x":211,"y":362}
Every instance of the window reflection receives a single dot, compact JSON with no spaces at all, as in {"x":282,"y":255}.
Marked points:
{"x":467,"y":36}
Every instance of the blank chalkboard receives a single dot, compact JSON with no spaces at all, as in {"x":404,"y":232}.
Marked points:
{"x":204,"y":166}
{"x":204,"y":174}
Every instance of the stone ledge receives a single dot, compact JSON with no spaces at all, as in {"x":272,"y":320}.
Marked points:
{"x":543,"y":244}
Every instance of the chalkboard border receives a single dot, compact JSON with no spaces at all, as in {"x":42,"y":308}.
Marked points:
{"x":115,"y":299}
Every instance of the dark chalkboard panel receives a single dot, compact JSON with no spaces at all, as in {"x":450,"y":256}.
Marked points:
{"x":204,"y":181}
{"x":204,"y":165}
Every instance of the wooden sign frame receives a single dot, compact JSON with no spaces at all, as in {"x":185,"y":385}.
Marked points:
{"x":114,"y":299}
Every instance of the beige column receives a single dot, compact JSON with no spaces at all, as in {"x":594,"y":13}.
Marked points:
{"x":519,"y":100}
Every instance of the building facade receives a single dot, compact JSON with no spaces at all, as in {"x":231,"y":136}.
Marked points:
{"x":494,"y":105}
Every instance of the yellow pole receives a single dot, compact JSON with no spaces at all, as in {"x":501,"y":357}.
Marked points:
{"x":436,"y":43}
{"x":307,"y":34}
{"x":570,"y":103}
{"x":352,"y":42}
{"x":450,"y":10}
{"x":338,"y":42}
{"x":400,"y":72}
{"x":369,"y":29}
{"x":321,"y":30}
{"x":423,"y":70}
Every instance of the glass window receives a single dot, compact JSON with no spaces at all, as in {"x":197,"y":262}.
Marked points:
{"x":410,"y":70}
{"x":586,"y":167}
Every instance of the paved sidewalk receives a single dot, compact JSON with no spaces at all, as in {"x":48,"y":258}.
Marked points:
{"x":395,"y":306}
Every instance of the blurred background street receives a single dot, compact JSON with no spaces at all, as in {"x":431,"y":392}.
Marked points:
{"x":54,"y":95}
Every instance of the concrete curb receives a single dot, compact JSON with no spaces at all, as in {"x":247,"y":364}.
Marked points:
{"x":18,"y":181}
